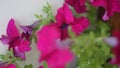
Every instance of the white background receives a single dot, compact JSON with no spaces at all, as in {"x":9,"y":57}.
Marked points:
{"x":23,"y":12}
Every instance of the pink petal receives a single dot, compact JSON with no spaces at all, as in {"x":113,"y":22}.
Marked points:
{"x":24,"y":46}
{"x":105,"y":16}
{"x":4,"y":39}
{"x":14,"y":41}
{"x":50,"y":52}
{"x":79,"y":8}
{"x":112,"y":7}
{"x":80,"y":25}
{"x":68,"y":14}
{"x":11,"y":66}
{"x":98,"y":3}
{"x":12,"y":30}
{"x":64,"y":15}
{"x":70,"y":2}
{"x":59,"y":17}
{"x":82,"y":2}
{"x":60,"y":59}
{"x":19,"y":54}
{"x":79,"y":5}
{"x":47,"y":37}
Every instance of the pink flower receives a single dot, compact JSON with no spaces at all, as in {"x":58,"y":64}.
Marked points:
{"x":79,"y":5}
{"x":50,"y":52}
{"x":110,"y":6}
{"x":13,"y":38}
{"x":9,"y":66}
{"x":52,"y":38}
{"x":64,"y":18}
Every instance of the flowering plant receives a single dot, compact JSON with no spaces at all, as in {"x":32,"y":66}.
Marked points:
{"x":76,"y":37}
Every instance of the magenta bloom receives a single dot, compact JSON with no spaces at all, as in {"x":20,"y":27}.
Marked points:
{"x":79,"y":5}
{"x":50,"y":52}
{"x":64,"y":19}
{"x":110,"y":6}
{"x":52,"y":41}
{"x":9,"y":66}
{"x":14,"y":40}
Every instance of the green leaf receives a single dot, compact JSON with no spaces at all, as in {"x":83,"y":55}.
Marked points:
{"x":45,"y":64}
{"x":49,"y":15}
{"x":28,"y":66}
{"x":2,"y":57}
{"x":90,"y":48}
{"x":37,"y":16}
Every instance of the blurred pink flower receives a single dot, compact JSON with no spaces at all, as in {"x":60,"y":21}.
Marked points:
{"x":110,"y":6}
{"x":50,"y":52}
{"x":116,"y":48}
{"x":79,"y":5}
{"x":64,"y":18}
{"x":13,"y":38}
{"x":9,"y":66}
{"x":114,"y":41}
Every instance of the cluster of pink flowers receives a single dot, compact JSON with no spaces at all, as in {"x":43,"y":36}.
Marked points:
{"x":53,"y":39}
{"x":110,"y":6}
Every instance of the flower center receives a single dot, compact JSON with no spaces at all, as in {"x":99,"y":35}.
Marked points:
{"x":64,"y":25}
